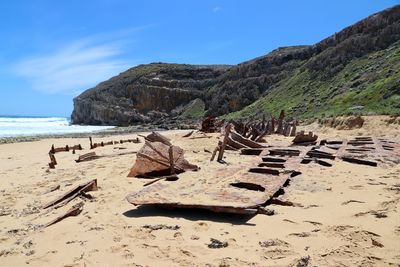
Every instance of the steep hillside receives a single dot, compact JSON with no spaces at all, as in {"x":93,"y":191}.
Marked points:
{"x":366,"y":85}
{"x":303,"y":79}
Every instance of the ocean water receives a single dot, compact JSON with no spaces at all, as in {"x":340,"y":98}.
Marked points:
{"x":13,"y":126}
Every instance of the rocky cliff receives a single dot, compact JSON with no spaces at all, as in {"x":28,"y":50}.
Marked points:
{"x":354,"y":70}
{"x":144,"y":94}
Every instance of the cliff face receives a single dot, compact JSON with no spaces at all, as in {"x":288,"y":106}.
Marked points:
{"x":357,"y":68}
{"x":144,"y":93}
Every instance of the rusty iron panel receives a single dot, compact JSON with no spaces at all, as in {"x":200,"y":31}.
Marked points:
{"x":244,"y":189}
{"x":225,"y":191}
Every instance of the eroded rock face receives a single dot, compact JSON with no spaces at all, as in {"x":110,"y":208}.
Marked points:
{"x":144,"y":94}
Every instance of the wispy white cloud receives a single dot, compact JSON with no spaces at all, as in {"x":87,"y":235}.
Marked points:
{"x":216,"y":9}
{"x":75,"y":66}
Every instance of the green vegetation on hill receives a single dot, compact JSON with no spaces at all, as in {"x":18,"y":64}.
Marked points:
{"x":366,"y":85}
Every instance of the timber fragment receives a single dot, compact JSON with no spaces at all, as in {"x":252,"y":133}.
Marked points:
{"x":305,"y":139}
{"x":87,"y":157}
{"x":74,"y":211}
{"x":157,"y":137}
{"x":73,"y":193}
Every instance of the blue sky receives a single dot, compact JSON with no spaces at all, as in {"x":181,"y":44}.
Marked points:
{"x":53,"y":50}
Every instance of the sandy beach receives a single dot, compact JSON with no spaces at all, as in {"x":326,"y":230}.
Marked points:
{"x":349,"y":214}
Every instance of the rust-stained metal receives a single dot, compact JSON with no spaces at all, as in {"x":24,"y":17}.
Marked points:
{"x":188,"y":134}
{"x":305,"y":139}
{"x":224,"y":142}
{"x":67,"y":148}
{"x":135,"y":140}
{"x":102,"y":144}
{"x":157,"y":137}
{"x":245,"y":141}
{"x":87,"y":157}
{"x":73,"y":193}
{"x":153,"y":160}
{"x":209,"y":125}
{"x":53,"y":161}
{"x":166,"y":178}
{"x":245,"y":189}
{"x":231,"y":189}
{"x":74,"y":211}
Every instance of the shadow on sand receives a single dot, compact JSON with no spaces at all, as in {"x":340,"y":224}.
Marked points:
{"x":189,"y":214}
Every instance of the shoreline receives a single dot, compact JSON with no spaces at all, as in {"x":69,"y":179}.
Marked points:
{"x":101,"y":133}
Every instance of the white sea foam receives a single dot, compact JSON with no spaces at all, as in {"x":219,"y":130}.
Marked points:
{"x":20,"y":126}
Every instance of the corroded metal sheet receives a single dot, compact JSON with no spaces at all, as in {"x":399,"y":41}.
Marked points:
{"x":244,"y":189}
{"x":231,"y":189}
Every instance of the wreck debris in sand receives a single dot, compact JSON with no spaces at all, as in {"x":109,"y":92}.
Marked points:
{"x":74,"y":211}
{"x":101,"y":144}
{"x":73,"y":193}
{"x":67,"y":148}
{"x":159,"y":157}
{"x":246,"y":189}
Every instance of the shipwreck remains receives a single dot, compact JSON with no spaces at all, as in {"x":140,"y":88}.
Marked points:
{"x":75,"y":210}
{"x":67,"y":148}
{"x":73,"y":193}
{"x":246,"y":189}
{"x":102,"y":144}
{"x":158,"y":157}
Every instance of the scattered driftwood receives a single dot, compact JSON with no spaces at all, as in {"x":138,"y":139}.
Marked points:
{"x":360,"y":161}
{"x":246,"y":189}
{"x":235,"y":141}
{"x":305,"y":139}
{"x":223,"y":145}
{"x":54,"y":188}
{"x":87,"y":157}
{"x":73,"y":193}
{"x":188,"y":134}
{"x":245,"y":141}
{"x":102,"y":144}
{"x":157,"y":137}
{"x":135,"y":140}
{"x":67,"y":148}
{"x":93,"y":156}
{"x":74,"y":211}
{"x":158,"y":159}
{"x":208,"y":125}
{"x":166,"y":178}
{"x":53,"y":161}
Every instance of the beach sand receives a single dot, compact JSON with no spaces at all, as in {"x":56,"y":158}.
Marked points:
{"x":349,"y":214}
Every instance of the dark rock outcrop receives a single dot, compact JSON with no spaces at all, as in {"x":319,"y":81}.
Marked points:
{"x":144,"y":94}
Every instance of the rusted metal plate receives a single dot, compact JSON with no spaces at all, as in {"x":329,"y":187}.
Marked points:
{"x":230,"y":189}
{"x":244,"y":189}
{"x":153,"y":159}
{"x":67,"y":197}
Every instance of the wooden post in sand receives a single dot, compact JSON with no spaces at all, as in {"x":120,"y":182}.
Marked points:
{"x":222,"y":149}
{"x":171,"y":160}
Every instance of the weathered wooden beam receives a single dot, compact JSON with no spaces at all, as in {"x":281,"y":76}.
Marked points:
{"x":224,"y":142}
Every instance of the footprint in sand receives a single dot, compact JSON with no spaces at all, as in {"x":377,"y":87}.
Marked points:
{"x":201,"y":226}
{"x":301,"y":234}
{"x":273,"y":242}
